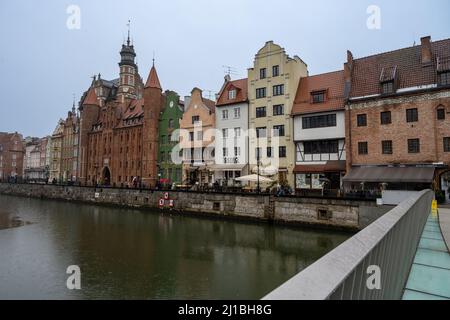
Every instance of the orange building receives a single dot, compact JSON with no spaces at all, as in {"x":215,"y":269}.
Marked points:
{"x":197,"y":134}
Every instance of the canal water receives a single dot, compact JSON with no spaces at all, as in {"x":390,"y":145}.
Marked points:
{"x":134,"y":254}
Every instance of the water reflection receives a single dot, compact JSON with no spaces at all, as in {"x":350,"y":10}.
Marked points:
{"x":8,"y":220}
{"x":132,"y":254}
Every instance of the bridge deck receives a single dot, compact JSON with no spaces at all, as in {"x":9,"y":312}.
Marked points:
{"x":429,"y":278}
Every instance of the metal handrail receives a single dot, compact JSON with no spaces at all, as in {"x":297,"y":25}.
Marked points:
{"x":389,"y":243}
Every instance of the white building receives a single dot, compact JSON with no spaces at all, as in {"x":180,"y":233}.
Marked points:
{"x":34,"y":159}
{"x":231,"y":143}
{"x":319,"y":132}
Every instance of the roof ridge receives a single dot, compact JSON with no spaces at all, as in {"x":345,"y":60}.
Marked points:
{"x":246,"y":78}
{"x":322,"y":74}
{"x":399,"y":49}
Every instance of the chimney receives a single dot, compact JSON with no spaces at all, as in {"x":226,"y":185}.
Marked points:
{"x":426,"y":49}
{"x":348,"y":69}
{"x":348,"y":66}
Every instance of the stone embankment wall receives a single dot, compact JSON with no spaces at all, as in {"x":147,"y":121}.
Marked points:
{"x":321,"y":212}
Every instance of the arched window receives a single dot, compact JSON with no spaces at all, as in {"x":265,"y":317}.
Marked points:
{"x":440,"y":112}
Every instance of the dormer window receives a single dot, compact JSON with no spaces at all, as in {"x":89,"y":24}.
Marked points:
{"x":444,"y":78}
{"x":388,"y":77}
{"x":232,"y":94}
{"x":318,"y":96}
{"x":443,"y":69}
{"x":387,"y":87}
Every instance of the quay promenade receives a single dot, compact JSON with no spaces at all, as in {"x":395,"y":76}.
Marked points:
{"x":402,"y":255}
{"x":336,"y":213}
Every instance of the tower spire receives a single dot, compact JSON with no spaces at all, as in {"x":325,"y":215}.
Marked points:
{"x":129,"y":26}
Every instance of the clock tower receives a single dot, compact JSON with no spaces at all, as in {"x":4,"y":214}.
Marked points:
{"x":128,"y":71}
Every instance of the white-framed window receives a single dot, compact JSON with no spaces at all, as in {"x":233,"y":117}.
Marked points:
{"x":225,"y":152}
{"x":225,"y":114}
{"x":237,"y":151}
{"x":225,"y":133}
{"x":237,"y":113}
{"x":232,"y":94}
{"x":237,"y":132}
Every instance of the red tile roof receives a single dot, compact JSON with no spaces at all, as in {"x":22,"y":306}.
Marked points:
{"x":210,"y":104}
{"x":388,"y":74}
{"x":241,"y":92}
{"x":153,"y":80}
{"x":410,"y":71}
{"x":91,"y":97}
{"x":332,"y":83}
{"x":135,"y":109}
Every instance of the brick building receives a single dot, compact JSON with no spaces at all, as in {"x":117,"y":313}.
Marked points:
{"x":11,"y":155}
{"x":398,"y":117}
{"x":119,"y":127}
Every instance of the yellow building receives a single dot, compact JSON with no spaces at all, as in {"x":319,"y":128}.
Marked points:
{"x":272,"y":85}
{"x":56,"y":153}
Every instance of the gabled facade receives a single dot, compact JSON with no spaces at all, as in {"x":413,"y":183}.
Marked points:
{"x":272,"y":84}
{"x":170,"y":172}
{"x":231,"y":143}
{"x":197,"y":139}
{"x":56,"y":140}
{"x":70,"y":147}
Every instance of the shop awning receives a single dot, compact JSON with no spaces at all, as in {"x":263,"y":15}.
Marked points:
{"x":254,"y":178}
{"x":329,"y":166}
{"x":196,"y":166}
{"x":266,"y":171}
{"x":390,"y":174}
{"x":228,"y":167}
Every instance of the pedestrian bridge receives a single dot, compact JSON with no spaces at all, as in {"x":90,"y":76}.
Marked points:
{"x":402,"y":255}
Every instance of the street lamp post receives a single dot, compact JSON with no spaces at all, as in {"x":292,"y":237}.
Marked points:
{"x":257,"y":163}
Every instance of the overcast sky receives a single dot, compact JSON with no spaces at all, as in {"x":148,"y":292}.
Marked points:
{"x":43,"y":62}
